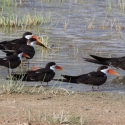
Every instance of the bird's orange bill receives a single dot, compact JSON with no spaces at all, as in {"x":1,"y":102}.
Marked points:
{"x":110,"y":71}
{"x":58,"y":67}
{"x":39,"y":42}
{"x":25,"y":55}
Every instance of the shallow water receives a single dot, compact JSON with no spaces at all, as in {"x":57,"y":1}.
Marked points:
{"x":79,"y":39}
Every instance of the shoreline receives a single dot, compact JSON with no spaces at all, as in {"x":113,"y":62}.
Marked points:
{"x":61,"y":107}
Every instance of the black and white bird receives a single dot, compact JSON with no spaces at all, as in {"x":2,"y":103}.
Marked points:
{"x":14,"y":60}
{"x":17,"y":43}
{"x":118,"y":62}
{"x":29,"y":49}
{"x":96,"y":78}
{"x":43,"y":74}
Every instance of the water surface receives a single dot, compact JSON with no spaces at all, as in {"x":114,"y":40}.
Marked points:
{"x":76,"y":29}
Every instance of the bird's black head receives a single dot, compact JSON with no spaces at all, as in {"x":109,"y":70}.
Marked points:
{"x":102,"y":68}
{"x":53,"y":66}
{"x":31,"y":40}
{"x":48,"y":65}
{"x":27,"y":35}
{"x":106,"y":70}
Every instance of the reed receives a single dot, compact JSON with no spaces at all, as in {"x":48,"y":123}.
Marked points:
{"x":7,"y":2}
{"x":63,"y":117}
{"x":12,"y":16}
{"x":13,"y":87}
{"x":113,"y":4}
{"x":26,"y":20}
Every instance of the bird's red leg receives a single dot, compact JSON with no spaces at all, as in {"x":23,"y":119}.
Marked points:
{"x":47,"y":83}
{"x":12,"y":72}
{"x":28,"y":65}
{"x":42,"y":83}
{"x":8,"y":71}
{"x":92,"y":88}
{"x":98,"y":88}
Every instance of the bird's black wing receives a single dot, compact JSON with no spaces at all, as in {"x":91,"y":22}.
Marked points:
{"x":8,"y":53}
{"x":92,"y":78}
{"x":39,"y":71}
{"x":12,"y":45}
{"x":9,"y":58}
{"x":29,"y":50}
{"x":43,"y":74}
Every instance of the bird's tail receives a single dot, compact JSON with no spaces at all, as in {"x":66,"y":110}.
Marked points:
{"x":66,"y":80}
{"x":92,"y":60}
{"x":69,"y":79}
{"x":2,"y":47}
{"x":97,"y":59}
{"x":20,"y":77}
{"x":2,"y":61}
{"x":8,"y":53}
{"x":3,"y":42}
{"x":17,"y":76}
{"x":100,"y":58}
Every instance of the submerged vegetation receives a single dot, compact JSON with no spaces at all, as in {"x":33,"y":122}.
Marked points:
{"x":110,"y":4}
{"x":26,"y":20}
{"x":12,"y":15}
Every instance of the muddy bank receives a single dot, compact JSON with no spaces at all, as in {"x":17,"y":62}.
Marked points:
{"x":97,"y":108}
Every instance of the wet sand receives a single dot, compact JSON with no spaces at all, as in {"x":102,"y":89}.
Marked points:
{"x":57,"y":108}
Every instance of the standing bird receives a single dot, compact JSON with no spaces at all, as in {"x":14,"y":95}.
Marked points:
{"x":93,"y":78}
{"x":14,"y":60}
{"x":29,"y":49}
{"x":118,"y":62}
{"x":17,"y":43}
{"x":43,"y":75}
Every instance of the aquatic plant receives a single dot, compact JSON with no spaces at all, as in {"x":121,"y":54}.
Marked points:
{"x":13,"y":87}
{"x":110,"y":4}
{"x":12,"y":15}
{"x":26,"y":20}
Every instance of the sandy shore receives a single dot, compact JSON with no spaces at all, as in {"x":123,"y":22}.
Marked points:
{"x":90,"y":108}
